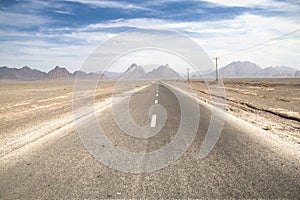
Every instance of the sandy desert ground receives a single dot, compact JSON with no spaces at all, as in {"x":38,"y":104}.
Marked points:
{"x":270,"y":104}
{"x":31,"y":110}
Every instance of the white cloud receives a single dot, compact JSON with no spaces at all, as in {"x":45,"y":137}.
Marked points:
{"x":289,"y":6}
{"x":64,"y":12}
{"x":241,"y":24}
{"x":89,"y":37}
{"x":110,"y":4}
{"x":21,"y":20}
{"x":219,"y":38}
{"x":43,"y":55}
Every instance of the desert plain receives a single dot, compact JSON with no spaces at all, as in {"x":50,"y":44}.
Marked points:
{"x":30,"y":110}
{"x":42,"y":154}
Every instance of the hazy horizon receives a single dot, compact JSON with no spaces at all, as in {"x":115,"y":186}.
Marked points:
{"x":146,"y":67}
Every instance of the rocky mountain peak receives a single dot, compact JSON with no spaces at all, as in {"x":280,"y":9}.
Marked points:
{"x":132,"y":67}
{"x":162,"y":72}
{"x":59,"y":73}
{"x":25,"y":68}
{"x":134,"y":72}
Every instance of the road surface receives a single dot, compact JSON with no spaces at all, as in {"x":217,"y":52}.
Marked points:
{"x":243,"y":164}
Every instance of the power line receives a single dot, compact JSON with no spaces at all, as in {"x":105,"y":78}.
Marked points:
{"x":282,"y":37}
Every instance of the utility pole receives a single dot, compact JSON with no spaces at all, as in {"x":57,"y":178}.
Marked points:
{"x":217,"y":71}
{"x":188,"y":75}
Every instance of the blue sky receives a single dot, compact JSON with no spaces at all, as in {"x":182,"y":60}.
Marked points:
{"x":43,"y":34}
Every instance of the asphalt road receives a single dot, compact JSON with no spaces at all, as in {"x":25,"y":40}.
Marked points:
{"x":243,"y":164}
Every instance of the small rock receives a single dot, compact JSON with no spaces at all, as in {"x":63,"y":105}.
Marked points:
{"x":267,"y":128}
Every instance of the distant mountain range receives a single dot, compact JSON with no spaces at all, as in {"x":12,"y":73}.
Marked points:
{"x":24,"y":74}
{"x":236,"y":69}
{"x":134,"y":72}
{"x":247,"y":69}
{"x":162,"y":72}
{"x":58,"y":73}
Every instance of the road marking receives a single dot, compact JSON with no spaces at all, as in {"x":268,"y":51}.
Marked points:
{"x":157,"y":95}
{"x":153,"y":121}
{"x":156,"y":101}
{"x":156,"y":91}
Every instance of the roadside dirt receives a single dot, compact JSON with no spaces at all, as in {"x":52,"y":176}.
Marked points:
{"x":270,"y":104}
{"x":31,"y":110}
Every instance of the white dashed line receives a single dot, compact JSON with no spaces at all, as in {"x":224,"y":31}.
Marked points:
{"x":153,"y":121}
{"x":157,"y":95}
{"x":156,"y":91}
{"x":156,"y":101}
